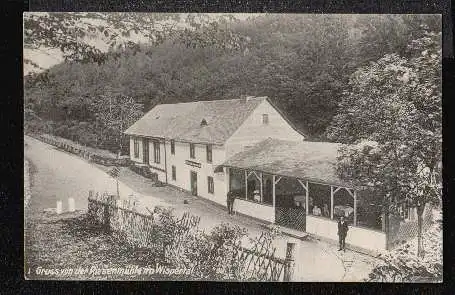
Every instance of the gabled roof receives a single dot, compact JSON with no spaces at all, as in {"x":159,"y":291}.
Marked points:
{"x":312,"y":161}
{"x":182,"y":121}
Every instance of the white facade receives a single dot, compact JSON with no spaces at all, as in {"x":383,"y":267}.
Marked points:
{"x":184,"y":164}
{"x":253,"y":130}
{"x":259,"y":211}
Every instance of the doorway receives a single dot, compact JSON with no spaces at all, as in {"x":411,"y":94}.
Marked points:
{"x":193,"y":181}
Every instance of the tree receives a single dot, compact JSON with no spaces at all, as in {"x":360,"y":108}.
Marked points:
{"x":302,"y":62}
{"x":73,"y":33}
{"x":393,"y":115}
{"x":114,"y":113}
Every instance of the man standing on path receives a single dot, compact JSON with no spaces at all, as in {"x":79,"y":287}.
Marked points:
{"x":232,"y":202}
{"x":342,"y":232}
{"x":229,"y":201}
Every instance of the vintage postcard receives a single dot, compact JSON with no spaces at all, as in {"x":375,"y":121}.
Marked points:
{"x":232,"y":147}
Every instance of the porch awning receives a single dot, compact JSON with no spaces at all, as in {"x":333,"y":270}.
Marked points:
{"x":312,"y":161}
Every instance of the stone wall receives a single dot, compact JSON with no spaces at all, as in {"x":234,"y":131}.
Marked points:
{"x":82,"y":151}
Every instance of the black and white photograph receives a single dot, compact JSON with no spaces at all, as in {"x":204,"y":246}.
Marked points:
{"x":241,"y":147}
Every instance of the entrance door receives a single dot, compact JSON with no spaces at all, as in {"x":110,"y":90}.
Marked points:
{"x":145,"y":149}
{"x":193,"y":180}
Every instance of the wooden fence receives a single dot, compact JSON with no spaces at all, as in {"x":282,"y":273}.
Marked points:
{"x":140,"y":228}
{"x":258,"y":262}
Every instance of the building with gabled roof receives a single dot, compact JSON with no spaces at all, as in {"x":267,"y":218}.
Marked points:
{"x":183,"y":143}
{"x":247,"y":146}
{"x":182,"y":121}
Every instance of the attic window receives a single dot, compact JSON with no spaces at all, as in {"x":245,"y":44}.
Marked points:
{"x":265,"y":119}
{"x":203,"y":122}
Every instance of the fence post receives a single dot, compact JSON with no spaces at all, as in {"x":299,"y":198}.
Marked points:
{"x":108,"y":209}
{"x":71,"y":205}
{"x":290,"y":263}
{"x":106,"y":216}
{"x":58,"y":209}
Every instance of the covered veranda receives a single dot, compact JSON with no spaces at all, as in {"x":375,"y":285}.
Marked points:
{"x":294,"y":185}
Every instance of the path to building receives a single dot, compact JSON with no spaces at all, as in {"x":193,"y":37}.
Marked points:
{"x":59,"y":175}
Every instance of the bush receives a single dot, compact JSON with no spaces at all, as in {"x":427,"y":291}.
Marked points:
{"x":213,"y":256}
{"x":62,"y":131}
{"x":208,"y":256}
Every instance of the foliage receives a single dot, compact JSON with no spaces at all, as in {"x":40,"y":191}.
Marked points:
{"x":73,"y":34}
{"x":114,"y":114}
{"x":301,"y":62}
{"x":400,"y":138}
{"x":213,"y":256}
{"x":398,"y":141}
{"x":208,"y":256}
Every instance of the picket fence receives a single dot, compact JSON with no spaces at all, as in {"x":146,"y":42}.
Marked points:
{"x":258,"y":262}
{"x":262,"y":264}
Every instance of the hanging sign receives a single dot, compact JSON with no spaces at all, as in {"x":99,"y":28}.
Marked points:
{"x":193,"y":164}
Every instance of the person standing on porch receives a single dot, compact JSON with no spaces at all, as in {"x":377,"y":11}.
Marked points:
{"x":342,"y":233}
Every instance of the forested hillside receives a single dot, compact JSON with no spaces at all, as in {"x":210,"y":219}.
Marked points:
{"x":302,"y":62}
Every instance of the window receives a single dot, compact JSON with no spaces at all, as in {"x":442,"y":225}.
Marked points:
{"x":211,"y":186}
{"x":319,"y":201}
{"x":209,"y":153}
{"x":172,"y":147}
{"x":174,"y":173}
{"x":156,"y":148}
{"x":265,"y":119}
{"x":192,"y":153}
{"x":136,"y":148}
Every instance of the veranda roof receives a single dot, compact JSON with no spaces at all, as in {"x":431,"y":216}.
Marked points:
{"x":306,"y":160}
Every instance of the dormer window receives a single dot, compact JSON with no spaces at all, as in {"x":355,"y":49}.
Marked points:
{"x":203,"y":123}
{"x":265,"y":119}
